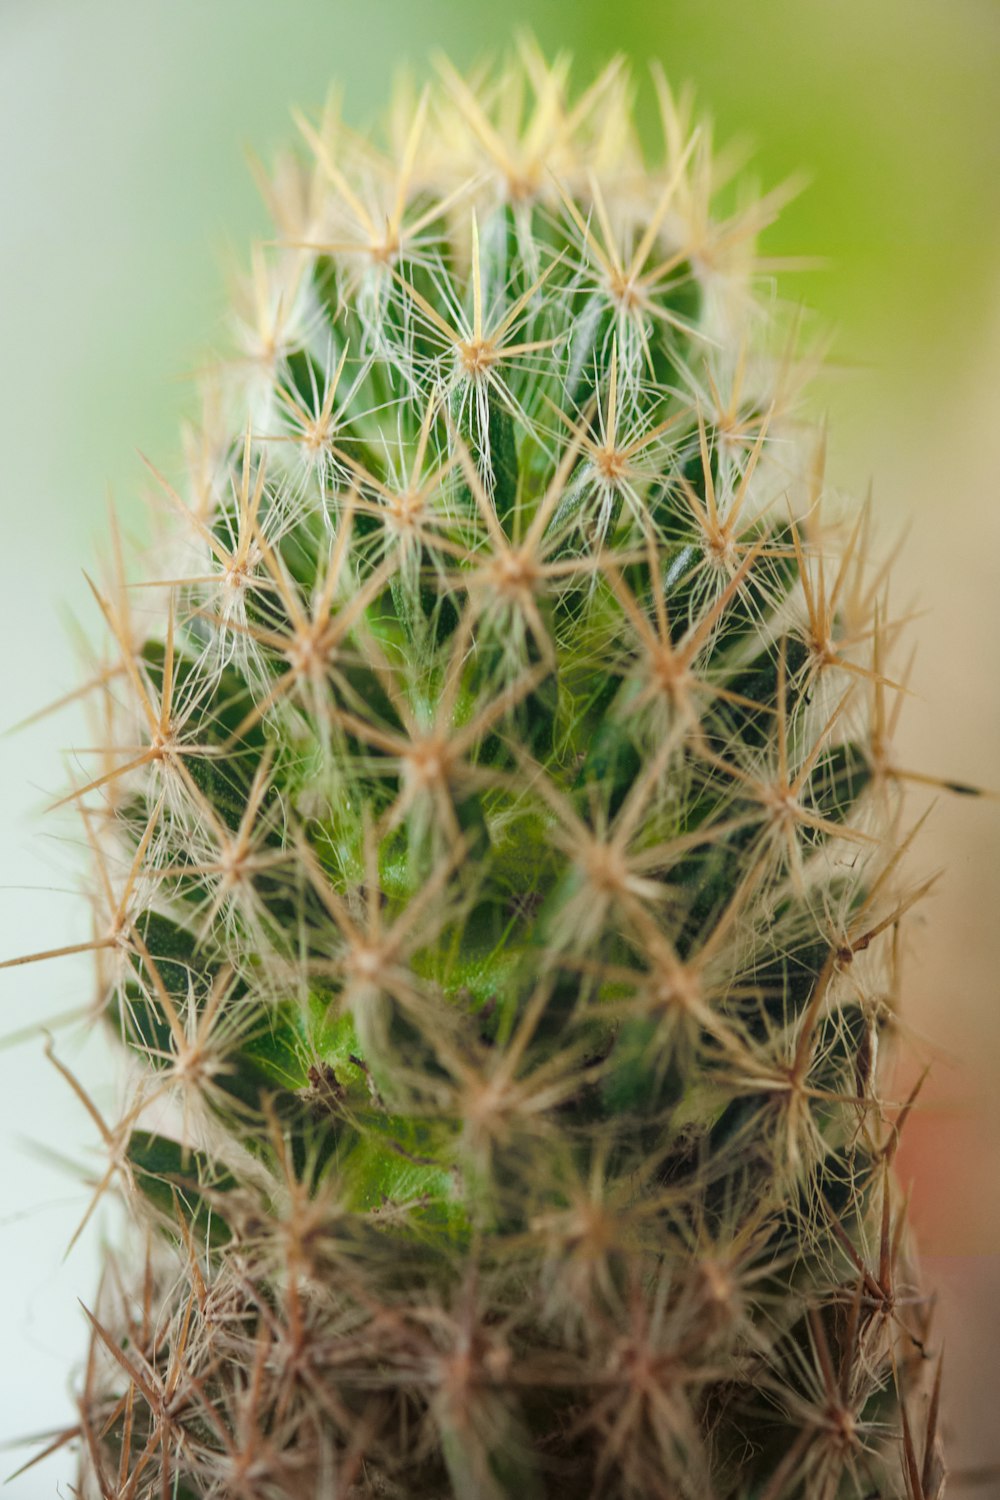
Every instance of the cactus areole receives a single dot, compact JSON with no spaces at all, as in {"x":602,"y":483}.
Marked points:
{"x":496,"y":851}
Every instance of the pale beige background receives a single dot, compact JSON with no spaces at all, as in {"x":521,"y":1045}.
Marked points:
{"x":122,"y":124}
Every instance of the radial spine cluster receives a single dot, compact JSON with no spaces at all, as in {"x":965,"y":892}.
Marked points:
{"x":497,"y":858}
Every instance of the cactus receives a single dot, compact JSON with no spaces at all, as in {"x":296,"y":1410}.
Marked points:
{"x":496,"y":849}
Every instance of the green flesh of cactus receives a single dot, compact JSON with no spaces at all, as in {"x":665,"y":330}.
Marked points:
{"x":500,"y":861}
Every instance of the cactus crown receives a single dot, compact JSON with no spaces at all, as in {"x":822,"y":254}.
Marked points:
{"x":496,"y":849}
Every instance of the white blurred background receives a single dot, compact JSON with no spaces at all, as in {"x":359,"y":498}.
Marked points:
{"x":122,"y":186}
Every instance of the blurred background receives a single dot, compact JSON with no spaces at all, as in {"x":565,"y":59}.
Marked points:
{"x":124,"y":192}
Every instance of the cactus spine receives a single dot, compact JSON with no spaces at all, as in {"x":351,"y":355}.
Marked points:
{"x":496,"y":857}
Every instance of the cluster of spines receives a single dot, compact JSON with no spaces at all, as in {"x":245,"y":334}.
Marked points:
{"x":497,"y":843}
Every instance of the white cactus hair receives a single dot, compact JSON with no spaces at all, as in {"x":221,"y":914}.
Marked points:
{"x":500,"y":856}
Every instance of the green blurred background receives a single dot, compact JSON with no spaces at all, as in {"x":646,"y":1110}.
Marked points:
{"x":124,"y":192}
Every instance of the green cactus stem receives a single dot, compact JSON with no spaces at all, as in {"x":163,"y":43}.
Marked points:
{"x":496,"y":852}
